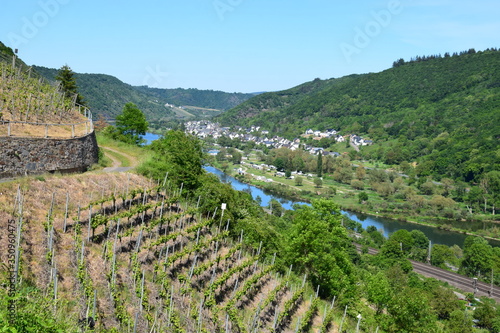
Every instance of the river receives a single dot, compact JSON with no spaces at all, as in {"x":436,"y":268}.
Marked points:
{"x":149,"y":137}
{"x":388,"y":226}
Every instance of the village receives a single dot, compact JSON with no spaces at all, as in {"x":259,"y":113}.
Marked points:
{"x":205,"y":129}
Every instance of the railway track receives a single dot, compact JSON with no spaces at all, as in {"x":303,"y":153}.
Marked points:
{"x":459,"y":281}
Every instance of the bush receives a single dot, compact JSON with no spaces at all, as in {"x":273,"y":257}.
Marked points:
{"x":362,"y":196}
{"x":357,"y":184}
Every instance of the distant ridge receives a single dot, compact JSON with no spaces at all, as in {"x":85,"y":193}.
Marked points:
{"x":106,"y":94}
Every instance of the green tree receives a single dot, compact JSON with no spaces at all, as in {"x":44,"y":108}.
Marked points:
{"x":440,"y":255}
{"x":428,"y":188}
{"x":298,"y":163}
{"x":420,"y":247}
{"x":357,"y":184}
{"x":360,"y":172}
{"x":328,"y":163}
{"x":298,"y":180}
{"x":362,"y":197}
{"x":221,"y":155}
{"x":236,"y":156}
{"x":317,"y":247}
{"x":405,"y":167}
{"x":318,"y":182}
{"x":490,"y":184}
{"x":404,"y":238}
{"x":384,"y":189}
{"x":478,"y":256}
{"x":378,"y":176}
{"x":444,"y":302}
{"x":391,"y":250}
{"x":276,"y":208}
{"x":411,"y":312}
{"x":178,"y":154}
{"x":420,"y":240}
{"x":447,"y":184}
{"x":131,"y":123}
{"x":279,"y":163}
{"x":376,"y":236}
{"x":67,"y":79}
{"x":319,"y":168}
{"x":379,"y":291}
{"x":474,"y":197}
{"x":485,"y":314}
{"x":343,"y":175}
{"x":441,"y":202}
{"x":459,"y":322}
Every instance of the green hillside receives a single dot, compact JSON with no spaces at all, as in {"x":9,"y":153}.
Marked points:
{"x":442,"y":112}
{"x":209,"y":99}
{"x":26,"y":101}
{"x":6,"y":54}
{"x":105,"y":94}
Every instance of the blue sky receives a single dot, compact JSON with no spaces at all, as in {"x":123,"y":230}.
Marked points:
{"x":241,"y":45}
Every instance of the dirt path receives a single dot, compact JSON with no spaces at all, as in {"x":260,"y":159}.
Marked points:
{"x":117,"y":164}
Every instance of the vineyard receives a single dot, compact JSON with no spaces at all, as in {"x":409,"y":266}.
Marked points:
{"x":29,"y":106}
{"x":118,"y":253}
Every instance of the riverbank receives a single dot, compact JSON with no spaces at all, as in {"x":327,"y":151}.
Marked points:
{"x":348,"y":200}
{"x":440,"y":227}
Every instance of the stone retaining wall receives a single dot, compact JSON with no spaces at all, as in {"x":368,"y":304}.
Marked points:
{"x":24,"y":156}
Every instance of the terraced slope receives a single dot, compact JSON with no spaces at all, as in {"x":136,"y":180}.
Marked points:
{"x":132,"y":255}
{"x":33,"y":107}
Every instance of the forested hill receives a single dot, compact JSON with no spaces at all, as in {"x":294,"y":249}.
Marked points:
{"x":210,"y":99}
{"x":255,"y":107}
{"x":443,"y":112}
{"x":105,"y":94}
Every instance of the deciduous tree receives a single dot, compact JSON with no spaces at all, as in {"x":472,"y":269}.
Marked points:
{"x":411,"y":312}
{"x":485,"y":315}
{"x":178,"y":154}
{"x":318,"y":182}
{"x":478,"y":256}
{"x":379,"y":291}
{"x":440,"y":255}
{"x":360,"y":172}
{"x":317,"y":246}
{"x":362,"y":197}
{"x":357,"y":184}
{"x":460,"y":322}
{"x":131,"y":123}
